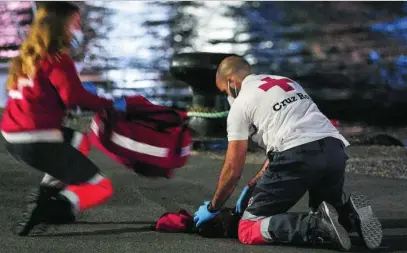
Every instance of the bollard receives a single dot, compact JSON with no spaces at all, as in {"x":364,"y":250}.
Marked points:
{"x":198,"y":70}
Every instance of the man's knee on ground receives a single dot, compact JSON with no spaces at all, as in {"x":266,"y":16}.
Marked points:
{"x":250,"y":232}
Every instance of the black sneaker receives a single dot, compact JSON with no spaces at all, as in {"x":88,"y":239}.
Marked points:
{"x":35,"y":214}
{"x":329,"y":227}
{"x":366,"y":223}
{"x":60,"y":211}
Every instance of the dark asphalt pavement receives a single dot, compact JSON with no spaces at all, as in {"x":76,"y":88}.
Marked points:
{"x":124,"y":223}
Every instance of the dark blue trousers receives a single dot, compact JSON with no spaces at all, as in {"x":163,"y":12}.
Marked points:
{"x":317,"y":167}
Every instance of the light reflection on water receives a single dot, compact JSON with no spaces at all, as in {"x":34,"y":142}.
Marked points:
{"x":141,"y":33}
{"x":131,"y":43}
{"x":136,"y":40}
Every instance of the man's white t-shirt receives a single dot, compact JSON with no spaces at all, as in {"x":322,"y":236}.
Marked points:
{"x":277,"y":114}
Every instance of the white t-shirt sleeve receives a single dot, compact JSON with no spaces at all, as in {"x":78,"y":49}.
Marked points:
{"x":237,"y":123}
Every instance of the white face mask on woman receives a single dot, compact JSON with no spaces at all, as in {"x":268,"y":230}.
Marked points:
{"x":77,"y":38}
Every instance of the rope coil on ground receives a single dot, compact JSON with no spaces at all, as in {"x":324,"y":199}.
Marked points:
{"x":223,"y":114}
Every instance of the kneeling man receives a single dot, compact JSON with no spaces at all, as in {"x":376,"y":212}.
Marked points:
{"x":305,"y":152}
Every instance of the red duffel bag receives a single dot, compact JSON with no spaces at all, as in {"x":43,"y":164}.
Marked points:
{"x":150,"y":139}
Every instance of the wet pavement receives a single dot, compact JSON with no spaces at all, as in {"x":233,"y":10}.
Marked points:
{"x":124,"y":223}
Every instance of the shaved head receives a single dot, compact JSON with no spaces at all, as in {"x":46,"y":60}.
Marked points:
{"x":232,"y":70}
{"x":233,"y":65}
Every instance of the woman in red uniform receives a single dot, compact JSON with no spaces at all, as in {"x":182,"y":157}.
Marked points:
{"x":43,"y":83}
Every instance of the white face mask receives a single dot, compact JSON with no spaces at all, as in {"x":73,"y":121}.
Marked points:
{"x":235,"y":92}
{"x":77,"y":38}
{"x":231,"y":100}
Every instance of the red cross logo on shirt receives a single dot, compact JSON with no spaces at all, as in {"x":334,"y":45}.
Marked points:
{"x":282,"y":83}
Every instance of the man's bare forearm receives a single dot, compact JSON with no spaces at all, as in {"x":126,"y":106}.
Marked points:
{"x":227,"y":184}
{"x":231,"y":172}
{"x":260,"y":174}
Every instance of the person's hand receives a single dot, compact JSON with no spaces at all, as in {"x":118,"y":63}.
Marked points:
{"x":239,"y":207}
{"x":91,"y":88}
{"x":203,"y":214}
{"x":120,"y":104}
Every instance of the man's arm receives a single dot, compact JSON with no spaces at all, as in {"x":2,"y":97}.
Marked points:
{"x":231,"y":172}
{"x":238,"y":132}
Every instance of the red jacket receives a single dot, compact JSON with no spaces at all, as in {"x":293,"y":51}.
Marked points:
{"x":36,"y":108}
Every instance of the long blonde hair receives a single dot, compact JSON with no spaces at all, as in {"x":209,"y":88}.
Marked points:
{"x":48,"y":35}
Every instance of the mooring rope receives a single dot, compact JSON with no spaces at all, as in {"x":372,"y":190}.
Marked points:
{"x":211,"y":115}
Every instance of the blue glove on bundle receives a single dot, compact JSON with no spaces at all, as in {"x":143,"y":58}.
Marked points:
{"x":239,"y":201}
{"x":203,"y":215}
{"x":120,"y":104}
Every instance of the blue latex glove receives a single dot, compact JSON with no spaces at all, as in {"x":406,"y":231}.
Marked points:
{"x":91,"y":88}
{"x":203,"y":215}
{"x":241,"y":197}
{"x":120,"y":104}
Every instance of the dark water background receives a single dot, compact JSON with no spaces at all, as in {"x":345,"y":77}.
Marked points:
{"x":335,"y":49}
